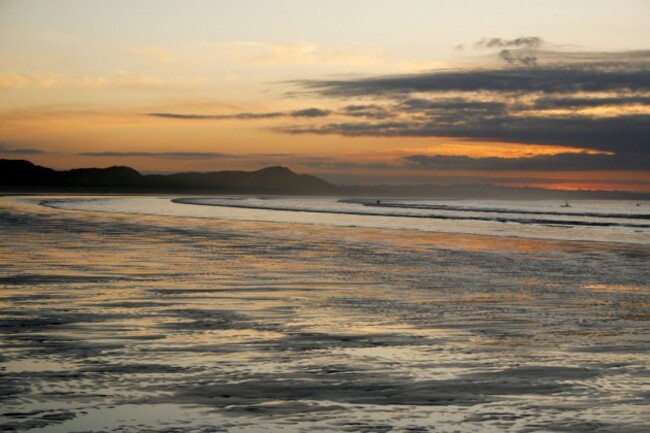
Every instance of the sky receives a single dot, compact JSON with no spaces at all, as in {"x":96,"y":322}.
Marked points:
{"x":552,"y":94}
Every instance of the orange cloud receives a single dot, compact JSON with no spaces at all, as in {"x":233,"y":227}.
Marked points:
{"x":117,"y":79}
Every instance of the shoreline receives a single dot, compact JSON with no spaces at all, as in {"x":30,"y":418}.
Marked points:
{"x":366,"y":222}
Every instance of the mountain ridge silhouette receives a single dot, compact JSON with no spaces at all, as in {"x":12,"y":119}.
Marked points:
{"x":18,"y":175}
{"x":276,"y":179}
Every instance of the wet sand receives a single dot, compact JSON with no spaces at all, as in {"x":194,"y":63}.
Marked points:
{"x":137,"y":323}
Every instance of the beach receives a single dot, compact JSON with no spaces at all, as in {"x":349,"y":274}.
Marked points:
{"x":152,"y":321}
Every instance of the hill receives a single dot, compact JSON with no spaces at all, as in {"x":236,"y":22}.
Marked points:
{"x":23,"y":174}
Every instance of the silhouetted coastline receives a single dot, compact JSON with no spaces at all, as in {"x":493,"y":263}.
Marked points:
{"x":24,"y":177}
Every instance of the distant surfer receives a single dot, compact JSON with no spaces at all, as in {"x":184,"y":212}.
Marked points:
{"x":566,"y":204}
{"x":378,"y":202}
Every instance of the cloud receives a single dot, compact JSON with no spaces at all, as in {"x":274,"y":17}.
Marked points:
{"x":520,"y":42}
{"x":238,"y":116}
{"x":548,"y":79}
{"x":595,"y":101}
{"x":522,"y":50}
{"x":117,"y":79}
{"x":515,"y":57}
{"x":310,"y":112}
{"x":8,"y":149}
{"x":369,"y":111}
{"x":164,"y":155}
{"x":627,"y":134}
{"x":574,"y":102}
{"x":463,"y":105}
{"x":328,"y":163}
{"x":307,"y":112}
{"x":560,"y":162}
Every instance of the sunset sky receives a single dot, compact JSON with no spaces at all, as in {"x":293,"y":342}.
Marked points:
{"x":554,"y":94}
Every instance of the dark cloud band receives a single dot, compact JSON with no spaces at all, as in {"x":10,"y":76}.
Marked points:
{"x":307,"y":112}
{"x":9,"y":149}
{"x":542,"y":79}
{"x":164,"y":155}
{"x":626,"y":134}
{"x":558,"y":162}
{"x":506,"y":104}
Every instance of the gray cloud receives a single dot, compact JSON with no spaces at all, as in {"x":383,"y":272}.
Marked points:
{"x":326,"y":163}
{"x":573,"y":103}
{"x":266,"y":155}
{"x":310,"y":112}
{"x":500,"y":104}
{"x":548,"y":79}
{"x":519,"y":51}
{"x":238,"y":116}
{"x":559,"y":162}
{"x":512,"y":57}
{"x":307,"y":112}
{"x":627,"y":134}
{"x":164,"y":155}
{"x":521,"y":42}
{"x":496,"y":104}
{"x":369,"y":111}
{"x":9,"y":149}
{"x":463,"y":105}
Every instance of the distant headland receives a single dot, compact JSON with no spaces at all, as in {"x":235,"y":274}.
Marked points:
{"x":21,"y":176}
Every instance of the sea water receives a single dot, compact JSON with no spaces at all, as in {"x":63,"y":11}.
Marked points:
{"x":250,"y":314}
{"x":603,"y":220}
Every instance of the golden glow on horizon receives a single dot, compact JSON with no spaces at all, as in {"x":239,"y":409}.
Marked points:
{"x":78,"y":78}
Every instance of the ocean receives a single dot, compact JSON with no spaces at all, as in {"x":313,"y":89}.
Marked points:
{"x":282,"y":314}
